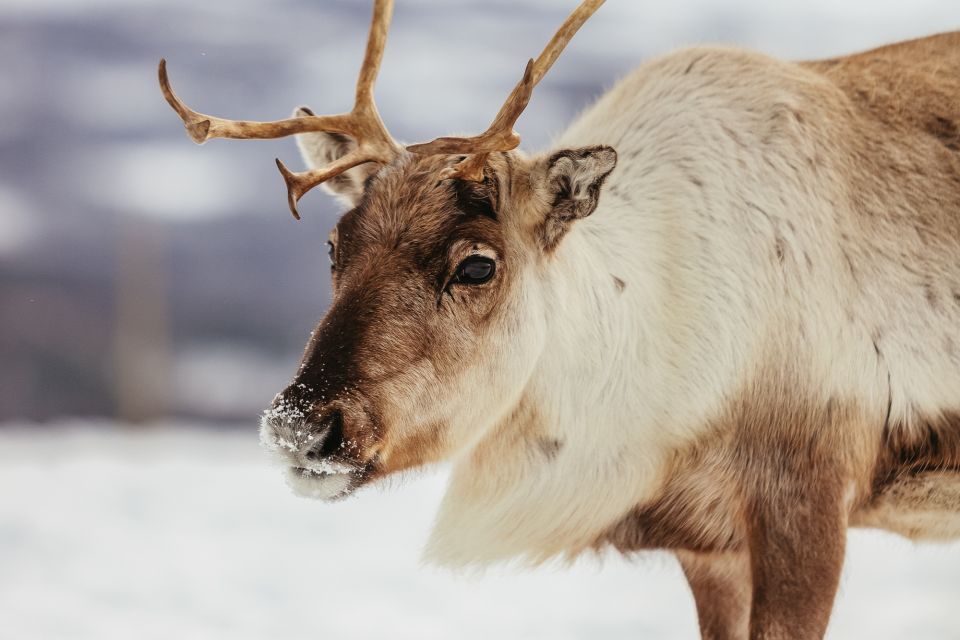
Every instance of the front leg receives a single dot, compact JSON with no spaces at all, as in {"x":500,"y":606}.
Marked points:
{"x":720,"y":583}
{"x":796,"y":534}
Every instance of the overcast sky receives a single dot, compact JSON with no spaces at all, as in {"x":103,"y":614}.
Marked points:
{"x":79,"y":77}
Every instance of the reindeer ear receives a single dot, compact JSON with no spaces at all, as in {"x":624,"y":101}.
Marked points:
{"x":322,"y":148}
{"x":572,"y":179}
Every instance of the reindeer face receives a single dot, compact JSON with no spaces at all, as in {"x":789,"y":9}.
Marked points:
{"x":424,"y":340}
{"x":437,"y":319}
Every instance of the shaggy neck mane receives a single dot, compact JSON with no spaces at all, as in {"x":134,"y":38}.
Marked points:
{"x":561,"y":467}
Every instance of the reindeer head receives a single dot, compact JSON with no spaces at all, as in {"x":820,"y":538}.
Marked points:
{"x":438,"y":318}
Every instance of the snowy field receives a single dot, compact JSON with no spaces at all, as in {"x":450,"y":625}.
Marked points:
{"x":190,"y":533}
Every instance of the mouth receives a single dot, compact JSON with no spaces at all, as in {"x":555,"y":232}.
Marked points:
{"x":328,"y":482}
{"x":321,"y":479}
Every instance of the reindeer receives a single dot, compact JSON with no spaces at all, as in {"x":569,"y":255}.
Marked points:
{"x":721,"y":316}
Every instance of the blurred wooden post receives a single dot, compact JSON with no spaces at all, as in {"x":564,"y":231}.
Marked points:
{"x":141,"y":338}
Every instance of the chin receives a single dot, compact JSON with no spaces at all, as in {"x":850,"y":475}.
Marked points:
{"x":328,"y":486}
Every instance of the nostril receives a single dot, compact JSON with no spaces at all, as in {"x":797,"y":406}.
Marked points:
{"x":332,"y":438}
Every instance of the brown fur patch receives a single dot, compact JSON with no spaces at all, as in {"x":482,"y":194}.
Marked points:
{"x":907,"y":85}
{"x":411,"y":450}
{"x":698,"y":508}
{"x":770,"y":479}
{"x":795,"y":455}
{"x":920,"y":506}
{"x":550,"y":447}
{"x":722,"y":590}
{"x":926,"y":444}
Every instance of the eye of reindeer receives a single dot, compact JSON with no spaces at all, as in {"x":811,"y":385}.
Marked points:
{"x":475,"y":270}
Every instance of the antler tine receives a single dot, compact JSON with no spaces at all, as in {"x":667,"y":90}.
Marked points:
{"x":373,"y":55}
{"x":374,"y":143}
{"x":202,"y":127}
{"x":500,"y":135}
{"x":563,"y":36}
{"x":300,"y":182}
{"x":363,"y":123}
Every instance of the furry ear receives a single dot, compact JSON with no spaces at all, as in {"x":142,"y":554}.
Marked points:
{"x":321,"y":148}
{"x":572,"y":179}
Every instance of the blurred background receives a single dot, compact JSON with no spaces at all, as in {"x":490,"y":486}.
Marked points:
{"x":154,"y":295}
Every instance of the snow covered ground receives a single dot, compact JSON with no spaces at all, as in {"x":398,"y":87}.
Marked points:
{"x":190,"y":533}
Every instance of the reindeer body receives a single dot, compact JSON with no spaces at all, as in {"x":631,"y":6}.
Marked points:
{"x":755,"y":252}
{"x":721,"y":317}
{"x":764,"y":307}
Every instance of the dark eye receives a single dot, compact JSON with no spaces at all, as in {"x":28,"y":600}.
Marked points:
{"x":330,"y":249}
{"x":475,"y":270}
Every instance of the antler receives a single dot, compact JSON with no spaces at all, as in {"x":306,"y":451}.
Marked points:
{"x":500,"y":135}
{"x":363,"y":122}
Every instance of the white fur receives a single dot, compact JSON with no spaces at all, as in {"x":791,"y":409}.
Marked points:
{"x":731,"y":253}
{"x":320,"y":486}
{"x":627,"y":379}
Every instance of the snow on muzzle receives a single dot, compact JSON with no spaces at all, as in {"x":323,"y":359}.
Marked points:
{"x":322,"y":462}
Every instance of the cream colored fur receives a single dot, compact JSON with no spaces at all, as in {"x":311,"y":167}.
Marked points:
{"x":727,"y":242}
{"x":733,"y":251}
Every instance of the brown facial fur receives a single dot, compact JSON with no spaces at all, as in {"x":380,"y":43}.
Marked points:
{"x":398,"y":327}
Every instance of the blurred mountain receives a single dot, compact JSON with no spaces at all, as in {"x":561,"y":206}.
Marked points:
{"x":243,"y":283}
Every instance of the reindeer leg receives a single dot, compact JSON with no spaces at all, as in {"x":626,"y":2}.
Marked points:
{"x":721,"y":589}
{"x":796,"y":538}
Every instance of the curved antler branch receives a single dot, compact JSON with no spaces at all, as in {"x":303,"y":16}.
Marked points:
{"x":300,"y":182}
{"x":500,"y":135}
{"x":202,"y":127}
{"x":363,"y":122}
